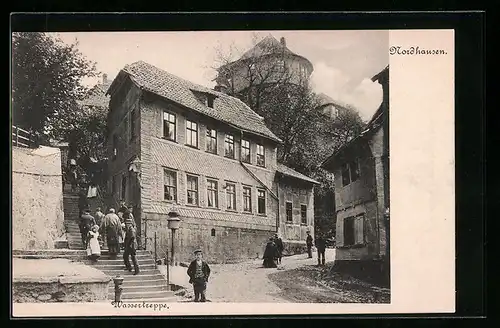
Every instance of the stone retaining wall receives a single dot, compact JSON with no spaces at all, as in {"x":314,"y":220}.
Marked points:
{"x":294,"y":247}
{"x":37,"y":209}
{"x":59,"y":290}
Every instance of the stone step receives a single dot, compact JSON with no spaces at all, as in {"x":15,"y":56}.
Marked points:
{"x":142,"y":276}
{"x":139,"y":254}
{"x":76,"y":236}
{"x":61,"y":244}
{"x":139,"y":288}
{"x":123,"y":273}
{"x":120,"y":267}
{"x":142,"y":261}
{"x":142,"y":283}
{"x":144,"y":295}
{"x":119,"y":257}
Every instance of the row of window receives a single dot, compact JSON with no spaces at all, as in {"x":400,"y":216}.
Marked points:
{"x":170,"y":193}
{"x":289,"y":213}
{"x":170,"y":133}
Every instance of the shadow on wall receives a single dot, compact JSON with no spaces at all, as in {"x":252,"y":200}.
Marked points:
{"x":37,"y":199}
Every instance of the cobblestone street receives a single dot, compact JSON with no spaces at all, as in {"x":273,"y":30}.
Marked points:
{"x":249,"y":281}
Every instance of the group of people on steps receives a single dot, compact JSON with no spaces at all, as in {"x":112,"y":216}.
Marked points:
{"x":119,"y":232}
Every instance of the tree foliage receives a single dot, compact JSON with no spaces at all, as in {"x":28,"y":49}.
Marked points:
{"x":290,"y":108}
{"x":47,"y":85}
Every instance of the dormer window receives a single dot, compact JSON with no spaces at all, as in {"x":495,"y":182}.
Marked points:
{"x":205,"y":98}
{"x":210,"y":101}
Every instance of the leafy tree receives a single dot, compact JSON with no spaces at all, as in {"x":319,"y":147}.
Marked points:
{"x":46,"y":84}
{"x":260,"y":70}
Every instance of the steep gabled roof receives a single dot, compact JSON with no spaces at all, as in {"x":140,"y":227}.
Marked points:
{"x":227,"y":109}
{"x":285,"y":170}
{"x":383,"y":74}
{"x":97,"y":96}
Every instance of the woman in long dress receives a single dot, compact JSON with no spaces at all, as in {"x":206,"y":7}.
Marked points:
{"x":93,"y":248}
{"x":270,"y":255}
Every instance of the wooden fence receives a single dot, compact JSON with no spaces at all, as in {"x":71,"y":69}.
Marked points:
{"x":21,"y":138}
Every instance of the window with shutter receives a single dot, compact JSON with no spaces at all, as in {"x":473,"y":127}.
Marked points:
{"x":359,"y":232}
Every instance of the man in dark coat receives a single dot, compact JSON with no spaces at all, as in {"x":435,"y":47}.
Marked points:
{"x":83,"y":202}
{"x":112,"y":227}
{"x":130,"y":249}
{"x":270,"y":254}
{"x":123,"y":207}
{"x":309,"y":244}
{"x":320,"y":244}
{"x":128,"y":217}
{"x":279,"y":246}
{"x":86,"y":222}
{"x":199,"y":272}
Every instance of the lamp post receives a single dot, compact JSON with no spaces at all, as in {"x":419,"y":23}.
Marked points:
{"x":173,"y":224}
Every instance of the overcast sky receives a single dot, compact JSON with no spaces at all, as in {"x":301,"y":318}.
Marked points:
{"x":344,"y":61}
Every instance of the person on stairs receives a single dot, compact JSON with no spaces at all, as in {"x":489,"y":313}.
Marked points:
{"x":121,"y":214}
{"x":130,"y":249}
{"x":99,"y":217}
{"x":199,"y":272}
{"x":111,"y":226}
{"x":128,"y":217}
{"x":93,"y":248}
{"x":86,"y":222}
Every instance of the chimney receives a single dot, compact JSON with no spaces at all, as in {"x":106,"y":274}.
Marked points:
{"x":104,"y":78}
{"x":283,"y":42}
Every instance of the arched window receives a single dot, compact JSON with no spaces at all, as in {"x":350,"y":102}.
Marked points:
{"x":212,"y":232}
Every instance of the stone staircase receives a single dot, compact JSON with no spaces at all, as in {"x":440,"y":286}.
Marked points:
{"x":149,"y":285}
{"x":71,"y":219}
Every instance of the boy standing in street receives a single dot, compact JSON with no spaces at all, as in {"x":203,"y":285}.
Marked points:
{"x":198,"y":272}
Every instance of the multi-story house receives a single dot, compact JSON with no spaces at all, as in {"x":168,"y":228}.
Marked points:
{"x":175,"y":146}
{"x":361,"y":170}
{"x":269,"y":61}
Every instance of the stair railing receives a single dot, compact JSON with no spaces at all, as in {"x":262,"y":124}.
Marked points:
{"x":159,"y":253}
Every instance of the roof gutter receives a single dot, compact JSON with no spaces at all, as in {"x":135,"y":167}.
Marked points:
{"x":311,"y":181}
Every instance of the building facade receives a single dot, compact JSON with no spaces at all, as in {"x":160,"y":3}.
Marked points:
{"x":361,"y":170}
{"x":177,"y":146}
